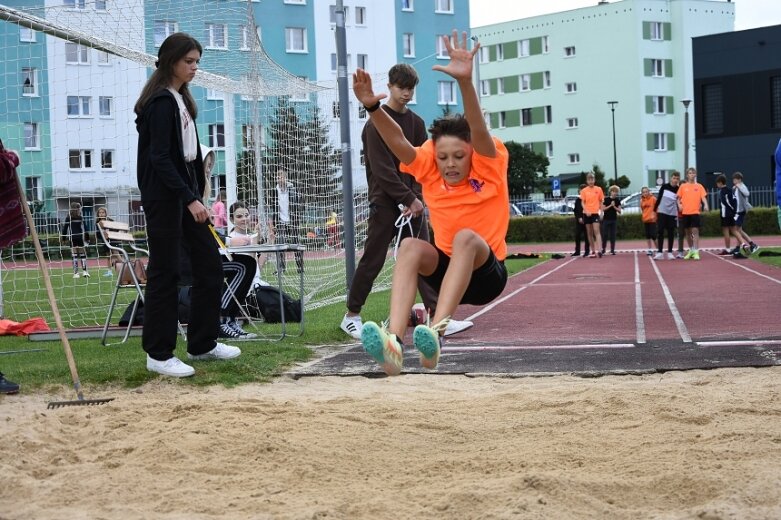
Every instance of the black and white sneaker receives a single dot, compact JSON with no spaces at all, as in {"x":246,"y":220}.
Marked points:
{"x":228,"y":332}
{"x":243,"y":334}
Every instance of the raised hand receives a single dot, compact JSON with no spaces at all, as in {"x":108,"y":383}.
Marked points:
{"x":461,"y":58}
{"x":362,"y":87}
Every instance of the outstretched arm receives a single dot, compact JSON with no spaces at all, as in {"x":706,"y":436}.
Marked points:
{"x":390,"y":132}
{"x":460,"y":69}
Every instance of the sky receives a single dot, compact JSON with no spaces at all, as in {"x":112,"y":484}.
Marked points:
{"x":749,"y":14}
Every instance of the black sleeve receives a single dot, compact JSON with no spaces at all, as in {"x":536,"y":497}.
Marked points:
{"x":659,"y":197}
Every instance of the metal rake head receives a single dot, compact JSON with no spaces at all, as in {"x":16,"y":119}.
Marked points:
{"x":79,"y":402}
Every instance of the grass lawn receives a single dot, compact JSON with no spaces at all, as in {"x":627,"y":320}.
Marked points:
{"x":125,"y":365}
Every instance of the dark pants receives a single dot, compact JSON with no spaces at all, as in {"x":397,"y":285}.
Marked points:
{"x":379,"y":235}
{"x":286,"y":234}
{"x":168,"y":224}
{"x":581,"y":234}
{"x":609,"y":234}
{"x":667,"y":223}
{"x":239,"y":273}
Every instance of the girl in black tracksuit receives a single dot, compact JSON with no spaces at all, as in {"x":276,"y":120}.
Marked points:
{"x":171,"y":179}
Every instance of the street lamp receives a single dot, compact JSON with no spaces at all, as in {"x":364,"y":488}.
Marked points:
{"x":615,"y":160}
{"x":686,"y":132}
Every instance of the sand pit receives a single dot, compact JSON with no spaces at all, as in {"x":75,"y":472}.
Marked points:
{"x":698,"y":444}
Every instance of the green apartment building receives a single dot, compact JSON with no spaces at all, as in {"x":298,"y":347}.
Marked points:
{"x":547,"y":82}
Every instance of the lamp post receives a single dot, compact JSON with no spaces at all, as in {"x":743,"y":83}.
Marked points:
{"x":615,"y":160}
{"x":686,"y":132}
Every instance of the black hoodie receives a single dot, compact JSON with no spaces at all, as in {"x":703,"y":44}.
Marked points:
{"x":162,"y":170}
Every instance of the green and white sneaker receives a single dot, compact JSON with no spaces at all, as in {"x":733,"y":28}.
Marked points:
{"x":383,"y":347}
{"x":428,"y":340}
{"x":689,"y":254}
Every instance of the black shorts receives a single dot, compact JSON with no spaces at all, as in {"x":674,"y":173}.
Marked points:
{"x":486,"y":284}
{"x":690,"y":221}
{"x":728,"y":221}
{"x":650,"y":229}
{"x":741,"y":217}
{"x":77,"y":241}
{"x":591,"y":219}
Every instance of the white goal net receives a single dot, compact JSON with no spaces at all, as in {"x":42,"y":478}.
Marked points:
{"x":70,"y":74}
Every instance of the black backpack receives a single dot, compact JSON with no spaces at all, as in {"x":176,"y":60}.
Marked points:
{"x":263,"y":301}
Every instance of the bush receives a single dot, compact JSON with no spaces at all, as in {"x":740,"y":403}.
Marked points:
{"x":561,"y":228}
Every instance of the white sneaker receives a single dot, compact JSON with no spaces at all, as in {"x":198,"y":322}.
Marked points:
{"x":76,"y":275}
{"x":659,"y":256}
{"x":352,"y":325}
{"x":173,"y":367}
{"x":455,"y":326}
{"x":220,"y":351}
{"x":670,"y":256}
{"x":85,"y":274}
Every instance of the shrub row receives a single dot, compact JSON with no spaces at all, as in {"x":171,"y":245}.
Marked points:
{"x":561,"y":228}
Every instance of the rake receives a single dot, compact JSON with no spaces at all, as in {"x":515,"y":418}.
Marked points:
{"x":53,"y":302}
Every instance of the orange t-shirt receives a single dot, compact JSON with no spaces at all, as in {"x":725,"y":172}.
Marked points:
{"x":647,"y":206}
{"x":480,"y":203}
{"x":691,"y":195}
{"x":592,"y":197}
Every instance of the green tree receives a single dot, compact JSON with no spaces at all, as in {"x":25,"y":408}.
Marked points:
{"x":599,"y":177}
{"x":527,"y":170}
{"x":623,"y":182}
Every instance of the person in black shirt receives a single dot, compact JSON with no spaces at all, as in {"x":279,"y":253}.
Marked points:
{"x":611,"y":208}
{"x":580,"y":227}
{"x":74,"y":232}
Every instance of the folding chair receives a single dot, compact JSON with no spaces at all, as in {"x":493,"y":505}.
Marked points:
{"x":116,"y":236}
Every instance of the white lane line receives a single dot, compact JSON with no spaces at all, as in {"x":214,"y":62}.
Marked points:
{"x":682,"y":331}
{"x":448,"y":348}
{"x":639,"y":321}
{"x":739,"y":343}
{"x":493,"y":304}
{"x":735,"y":263}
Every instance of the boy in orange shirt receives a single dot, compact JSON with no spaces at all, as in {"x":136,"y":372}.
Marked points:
{"x":592,"y":197}
{"x":691,"y":198}
{"x":463,"y":173}
{"x":647,"y":204}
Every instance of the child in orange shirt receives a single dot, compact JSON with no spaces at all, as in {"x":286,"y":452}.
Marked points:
{"x":463,"y":173}
{"x":692,"y":197}
{"x":592,"y":197}
{"x":647,"y":204}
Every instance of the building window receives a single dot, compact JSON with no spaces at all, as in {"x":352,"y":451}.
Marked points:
{"x":483,"y":55}
{"x":163,"y":29}
{"x":447,"y":92}
{"x":573,"y":158}
{"x":660,"y":105}
{"x":79,"y":106}
{"x":523,"y":48}
{"x":214,"y":95}
{"x":549,"y":149}
{"x":106,"y":106}
{"x":712,"y":109}
{"x":657,"y":68}
{"x":103,"y":58}
{"x":485,"y":87}
{"x":500,"y":52}
{"x":775,"y":102}
{"x":33,"y":189}
{"x":76,"y":53}
{"x":360,"y":16}
{"x":29,"y":81}
{"x":500,"y":86}
{"x":335,"y":110}
{"x":502,"y":119}
{"x":217,"y":35}
{"x":361,"y":112}
{"x":100,"y":5}
{"x":217,"y":136}
{"x":571,"y":87}
{"x":26,"y":34}
{"x":545,"y":47}
{"x":526,"y":82}
{"x":408,"y":42}
{"x":80,"y":159}
{"x":75,"y":4}
{"x":657,"y":31}
{"x":660,"y":142}
{"x":572,"y":122}
{"x":295,"y":39}
{"x":363,"y":61}
{"x":32,"y":137}
{"x":569,"y":51}
{"x":441,"y":49}
{"x":107,"y":159}
{"x":546,"y":79}
{"x":407,"y":5}
{"x":444,"y":6}
{"x":526,"y":116}
{"x":548,"y":114}
{"x":247,"y":137}
{"x":363,"y":158}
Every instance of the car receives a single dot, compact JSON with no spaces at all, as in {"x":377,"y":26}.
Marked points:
{"x":530,"y":208}
{"x":514,"y":211}
{"x":631,"y":203}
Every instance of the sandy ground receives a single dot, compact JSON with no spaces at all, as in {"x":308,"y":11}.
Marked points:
{"x":698,"y":444}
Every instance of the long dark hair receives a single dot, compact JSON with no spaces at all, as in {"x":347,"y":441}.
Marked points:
{"x":173,"y":49}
